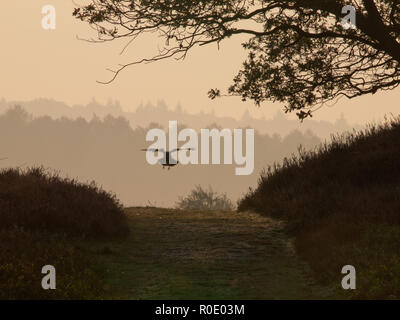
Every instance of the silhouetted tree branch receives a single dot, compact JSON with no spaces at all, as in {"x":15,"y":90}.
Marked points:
{"x":299,"y":53}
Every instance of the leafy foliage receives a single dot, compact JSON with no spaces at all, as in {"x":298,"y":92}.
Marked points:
{"x":299,"y":52}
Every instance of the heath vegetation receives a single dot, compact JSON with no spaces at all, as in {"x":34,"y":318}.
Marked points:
{"x":342,"y":203}
{"x":44,"y":220}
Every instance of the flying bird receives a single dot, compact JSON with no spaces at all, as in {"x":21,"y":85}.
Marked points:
{"x":167,"y":160}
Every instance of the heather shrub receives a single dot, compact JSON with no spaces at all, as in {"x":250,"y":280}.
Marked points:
{"x":36,"y":199}
{"x":205,"y":199}
{"x":342,"y":204}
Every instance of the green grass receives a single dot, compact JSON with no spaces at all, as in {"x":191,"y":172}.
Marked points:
{"x":169,"y":254}
{"x":24,"y":253}
{"x":172,"y":254}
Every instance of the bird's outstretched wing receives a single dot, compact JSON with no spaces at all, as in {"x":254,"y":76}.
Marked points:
{"x":179,"y":149}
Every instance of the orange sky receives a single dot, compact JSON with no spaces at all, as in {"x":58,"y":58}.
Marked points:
{"x":54,"y":64}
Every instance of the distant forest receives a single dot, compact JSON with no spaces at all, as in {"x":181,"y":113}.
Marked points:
{"x":106,"y":148}
{"x":145,"y":114}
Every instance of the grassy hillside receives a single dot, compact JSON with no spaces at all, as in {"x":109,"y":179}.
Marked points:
{"x":169,"y":254}
{"x":44,"y":220}
{"x":342,"y":202}
{"x":181,"y":254}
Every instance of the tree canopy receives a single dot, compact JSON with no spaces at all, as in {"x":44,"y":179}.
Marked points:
{"x":299,"y":52}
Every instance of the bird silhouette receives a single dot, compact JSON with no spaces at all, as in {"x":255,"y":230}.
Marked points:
{"x":167,"y":160}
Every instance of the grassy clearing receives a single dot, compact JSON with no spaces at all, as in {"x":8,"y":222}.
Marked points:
{"x":169,"y":254}
{"x":342,"y":203}
{"x":164,"y":254}
{"x":173,"y":254}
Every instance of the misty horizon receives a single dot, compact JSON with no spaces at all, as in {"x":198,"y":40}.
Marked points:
{"x":107,"y":150}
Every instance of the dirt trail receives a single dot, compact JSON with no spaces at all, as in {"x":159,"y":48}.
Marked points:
{"x":198,"y":255}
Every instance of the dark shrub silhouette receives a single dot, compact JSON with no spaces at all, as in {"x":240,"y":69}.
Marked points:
{"x":202,"y":199}
{"x":36,"y":199}
{"x":342,"y":202}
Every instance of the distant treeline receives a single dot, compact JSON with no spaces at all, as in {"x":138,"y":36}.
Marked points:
{"x":108,"y":151}
{"x":161,"y":113}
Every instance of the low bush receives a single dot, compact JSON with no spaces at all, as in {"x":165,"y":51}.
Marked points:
{"x":36,"y":199}
{"x":202,"y":199}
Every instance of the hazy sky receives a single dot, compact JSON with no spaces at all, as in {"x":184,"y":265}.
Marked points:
{"x":54,"y":64}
